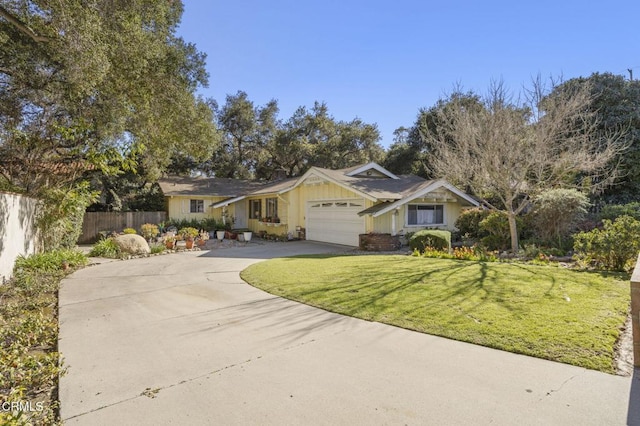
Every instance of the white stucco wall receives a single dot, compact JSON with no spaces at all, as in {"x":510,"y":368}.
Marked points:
{"x":18,"y":233}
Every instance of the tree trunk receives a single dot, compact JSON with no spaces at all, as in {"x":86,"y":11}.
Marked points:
{"x":513,"y":229}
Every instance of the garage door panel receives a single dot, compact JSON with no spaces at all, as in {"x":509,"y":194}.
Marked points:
{"x":335,"y":221}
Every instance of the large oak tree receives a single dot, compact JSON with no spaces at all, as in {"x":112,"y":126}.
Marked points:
{"x":95,"y":85}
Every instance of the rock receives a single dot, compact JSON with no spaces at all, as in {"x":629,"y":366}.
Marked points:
{"x":132,"y":244}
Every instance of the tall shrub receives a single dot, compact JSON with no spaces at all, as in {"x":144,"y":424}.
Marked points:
{"x":496,"y":230}
{"x":468,"y":223}
{"x":615,"y":246}
{"x":62,"y":213}
{"x":556,"y":213}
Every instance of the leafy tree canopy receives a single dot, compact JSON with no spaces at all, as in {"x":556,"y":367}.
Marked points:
{"x":257,"y":144}
{"x":100,"y":85}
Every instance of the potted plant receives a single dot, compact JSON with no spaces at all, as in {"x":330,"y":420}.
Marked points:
{"x":202,"y":238}
{"x":169,"y":242}
{"x":188,"y":234}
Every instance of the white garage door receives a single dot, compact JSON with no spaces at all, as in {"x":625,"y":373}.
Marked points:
{"x":335,"y":221}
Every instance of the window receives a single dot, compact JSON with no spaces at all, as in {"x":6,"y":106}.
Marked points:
{"x":272,"y":207}
{"x":255,"y":209}
{"x":420,"y":214}
{"x":197,"y":206}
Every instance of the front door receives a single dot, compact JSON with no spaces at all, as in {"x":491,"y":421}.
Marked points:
{"x":241,"y":214}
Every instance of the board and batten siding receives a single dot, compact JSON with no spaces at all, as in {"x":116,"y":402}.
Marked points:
{"x":179,"y":208}
{"x":382,"y":224}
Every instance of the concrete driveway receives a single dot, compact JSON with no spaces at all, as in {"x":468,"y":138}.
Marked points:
{"x":182,"y":340}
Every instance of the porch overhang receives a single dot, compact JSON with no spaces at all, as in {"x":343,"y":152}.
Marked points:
{"x":225,"y":203}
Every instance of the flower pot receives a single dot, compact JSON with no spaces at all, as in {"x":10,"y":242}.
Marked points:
{"x":247,"y":236}
{"x":220,"y":235}
{"x":169,"y":245}
{"x":188,"y":243}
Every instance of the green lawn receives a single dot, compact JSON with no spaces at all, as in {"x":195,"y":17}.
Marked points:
{"x":543,"y":311}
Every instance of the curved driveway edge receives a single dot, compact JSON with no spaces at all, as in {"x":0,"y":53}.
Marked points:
{"x":181,"y":339}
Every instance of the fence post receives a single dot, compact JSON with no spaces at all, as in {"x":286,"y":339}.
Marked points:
{"x":635,"y":312}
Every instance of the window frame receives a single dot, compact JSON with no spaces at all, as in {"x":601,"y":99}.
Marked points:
{"x":255,"y":206}
{"x":199,"y":205}
{"x":271,"y":207}
{"x":435,"y":207}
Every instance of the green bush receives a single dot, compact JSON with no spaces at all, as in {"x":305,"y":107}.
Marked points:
{"x":29,"y":362}
{"x":149,"y":231}
{"x":468,"y":223}
{"x":434,"y":238}
{"x":106,"y":248}
{"x":50,"y":261}
{"x":157,"y":248}
{"x":208,"y":224}
{"x":129,"y":231}
{"x":60,"y":218}
{"x":614,"y":247}
{"x":496,"y":228}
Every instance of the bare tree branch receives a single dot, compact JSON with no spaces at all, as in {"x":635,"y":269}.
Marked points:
{"x":22,"y":27}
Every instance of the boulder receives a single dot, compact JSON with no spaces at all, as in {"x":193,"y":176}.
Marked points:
{"x":132,"y":244}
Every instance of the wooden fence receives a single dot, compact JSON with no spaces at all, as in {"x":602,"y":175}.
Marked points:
{"x":96,"y":222}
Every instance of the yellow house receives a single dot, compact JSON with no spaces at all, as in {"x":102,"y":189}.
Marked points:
{"x":333,"y":206}
{"x":191,"y":198}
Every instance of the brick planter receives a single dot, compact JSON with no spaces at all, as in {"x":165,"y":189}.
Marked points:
{"x":379,"y":242}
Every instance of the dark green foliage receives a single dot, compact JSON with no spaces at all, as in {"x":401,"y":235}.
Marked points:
{"x":256,"y":144}
{"x":613,"y":211}
{"x":61,"y":215}
{"x":434,"y":238}
{"x":207,"y":224}
{"x":413,"y":148}
{"x":106,"y":86}
{"x":468,"y":223}
{"x":616,"y":102}
{"x":615,"y":246}
{"x":496,"y":229}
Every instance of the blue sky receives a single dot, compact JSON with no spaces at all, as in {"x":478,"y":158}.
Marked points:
{"x":382,"y":61}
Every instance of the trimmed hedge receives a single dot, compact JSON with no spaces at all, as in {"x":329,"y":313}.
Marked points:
{"x":435,"y":238}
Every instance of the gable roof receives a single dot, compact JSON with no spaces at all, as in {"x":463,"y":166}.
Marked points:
{"x":277,"y":187}
{"x":369,"y":169}
{"x":391,"y":187}
{"x":426,"y":188}
{"x":386,"y":189}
